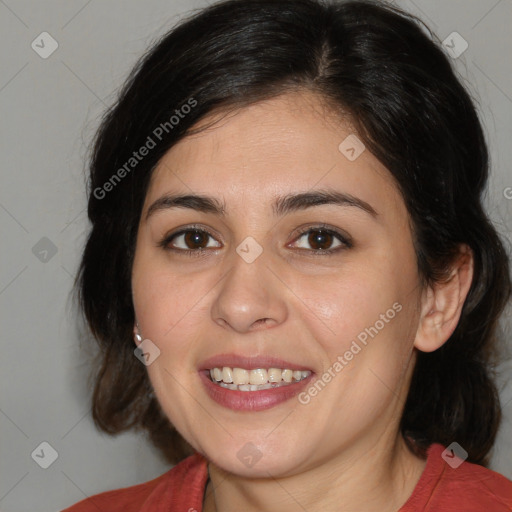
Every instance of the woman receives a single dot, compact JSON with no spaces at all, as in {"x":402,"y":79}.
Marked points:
{"x":290,"y":272}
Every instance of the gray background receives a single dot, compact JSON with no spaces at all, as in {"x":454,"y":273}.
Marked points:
{"x":49,"y":110}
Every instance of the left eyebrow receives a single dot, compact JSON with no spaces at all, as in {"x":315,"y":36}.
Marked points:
{"x":293,"y":202}
{"x":281,"y":205}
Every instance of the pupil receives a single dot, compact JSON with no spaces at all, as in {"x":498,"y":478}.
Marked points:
{"x":317,"y":238}
{"x":195,"y":238}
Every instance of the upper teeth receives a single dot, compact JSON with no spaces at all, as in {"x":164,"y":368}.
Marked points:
{"x":258,"y":376}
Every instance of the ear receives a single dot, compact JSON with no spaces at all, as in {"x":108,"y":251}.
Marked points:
{"x":442,"y":304}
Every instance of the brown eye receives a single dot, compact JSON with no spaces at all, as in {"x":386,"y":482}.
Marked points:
{"x":195,"y":239}
{"x":191,"y":240}
{"x":320,"y":240}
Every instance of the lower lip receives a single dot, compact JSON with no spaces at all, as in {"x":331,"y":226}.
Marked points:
{"x":252,"y":400}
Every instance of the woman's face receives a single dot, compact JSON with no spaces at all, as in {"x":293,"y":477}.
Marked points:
{"x":280,"y":275}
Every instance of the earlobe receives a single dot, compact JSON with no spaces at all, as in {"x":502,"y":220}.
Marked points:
{"x":442,"y":304}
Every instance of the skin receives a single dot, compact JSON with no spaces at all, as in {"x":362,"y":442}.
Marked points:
{"x":343,"y":450}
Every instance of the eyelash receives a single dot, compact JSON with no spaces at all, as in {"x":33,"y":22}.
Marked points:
{"x":346,"y":243}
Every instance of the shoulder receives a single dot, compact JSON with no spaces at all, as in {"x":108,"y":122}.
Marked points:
{"x":448,"y":483}
{"x":481,"y":487}
{"x":186,"y":479}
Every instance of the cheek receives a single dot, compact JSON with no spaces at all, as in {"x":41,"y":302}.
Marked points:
{"x":364,"y":310}
{"x":346,"y":302}
{"x":166,"y":301}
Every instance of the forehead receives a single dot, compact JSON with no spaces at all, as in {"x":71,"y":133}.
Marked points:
{"x":288,"y":144}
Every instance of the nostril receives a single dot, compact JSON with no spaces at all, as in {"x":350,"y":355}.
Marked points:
{"x":261,"y":321}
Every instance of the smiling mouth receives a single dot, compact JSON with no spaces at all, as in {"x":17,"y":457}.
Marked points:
{"x":240,"y":379}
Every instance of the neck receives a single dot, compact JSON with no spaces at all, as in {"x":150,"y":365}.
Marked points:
{"x":378,"y":479}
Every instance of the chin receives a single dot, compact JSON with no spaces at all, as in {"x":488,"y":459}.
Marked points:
{"x":256,"y":459}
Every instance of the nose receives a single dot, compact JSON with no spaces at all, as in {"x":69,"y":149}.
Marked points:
{"x":250,"y":297}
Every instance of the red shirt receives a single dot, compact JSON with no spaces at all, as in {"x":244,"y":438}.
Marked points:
{"x":441,"y":488}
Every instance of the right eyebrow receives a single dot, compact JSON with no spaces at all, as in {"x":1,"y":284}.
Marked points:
{"x":195,"y":202}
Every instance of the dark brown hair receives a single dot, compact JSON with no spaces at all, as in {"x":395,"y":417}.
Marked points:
{"x":378,"y":65}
